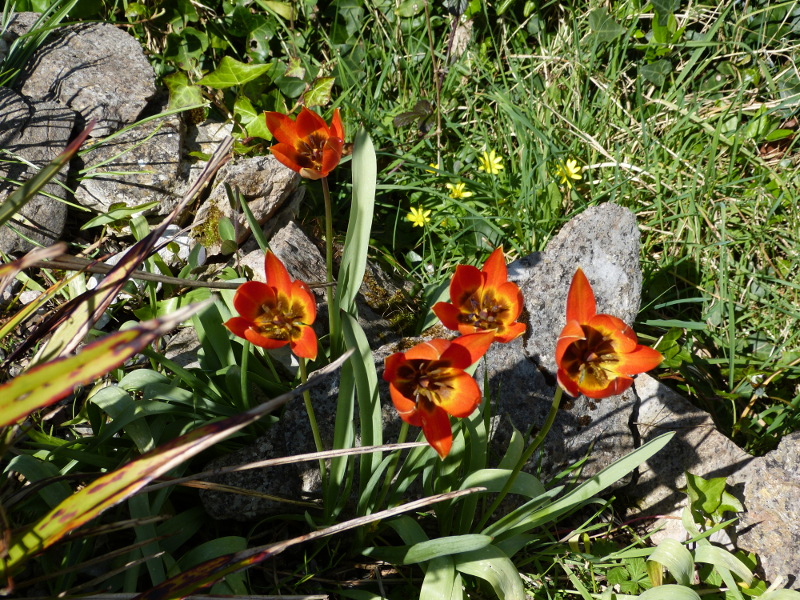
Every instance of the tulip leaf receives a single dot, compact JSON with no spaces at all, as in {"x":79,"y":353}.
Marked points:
{"x":445,"y":546}
{"x":231,"y":72}
{"x":320,"y":92}
{"x":439,"y":579}
{"x":114,"y":487}
{"x":47,"y":383}
{"x":356,"y":243}
{"x":669,"y":592}
{"x":493,"y":566}
{"x":676,"y":558}
{"x":721,"y":558}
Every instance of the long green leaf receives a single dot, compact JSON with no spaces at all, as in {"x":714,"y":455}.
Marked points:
{"x":439,"y":579}
{"x":588,"y":489}
{"x":677,"y":558}
{"x":356,"y":243}
{"x":118,"y":485}
{"x":493,"y":566}
{"x":445,"y":546}
{"x":670,"y":592}
{"x":49,"y":382}
{"x":721,"y":558}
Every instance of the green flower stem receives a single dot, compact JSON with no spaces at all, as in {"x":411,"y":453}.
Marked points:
{"x":312,"y":420}
{"x":548,"y":424}
{"x":333,"y":315}
{"x":243,"y":375}
{"x":387,"y":481}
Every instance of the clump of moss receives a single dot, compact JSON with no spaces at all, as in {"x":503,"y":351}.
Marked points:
{"x":207,"y":233}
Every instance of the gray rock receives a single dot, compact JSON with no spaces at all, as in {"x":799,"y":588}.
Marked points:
{"x":135,"y":167}
{"x":770,"y":527}
{"x":41,"y":131}
{"x":19,"y":24}
{"x":697,"y":447}
{"x":97,"y":70}
{"x":265,"y":185}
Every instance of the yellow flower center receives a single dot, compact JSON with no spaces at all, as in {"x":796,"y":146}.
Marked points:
{"x":485,"y":313}
{"x":282,"y":321}
{"x":591,"y":361}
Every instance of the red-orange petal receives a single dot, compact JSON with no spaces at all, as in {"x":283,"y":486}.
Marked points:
{"x":331,"y":155}
{"x":581,"y":304}
{"x":615,"y":386}
{"x":282,"y":127}
{"x":447,"y":314}
{"x":337,"y":129}
{"x":237,"y":326}
{"x":465,"y":350}
{"x":252,"y":336}
{"x":430,"y":350}
{"x":302,"y":293}
{"x":640,"y":360}
{"x":621,"y":335}
{"x":250,"y":297}
{"x":437,"y":430}
{"x":466,"y":281}
{"x":512,"y":332}
{"x":464,"y":395}
{"x":306,"y":345}
{"x":277,"y":275}
{"x":571,"y":333}
{"x":287,"y":156}
{"x":567,"y":383}
{"x":308,"y":122}
{"x":510,"y":294}
{"x":495,"y":269}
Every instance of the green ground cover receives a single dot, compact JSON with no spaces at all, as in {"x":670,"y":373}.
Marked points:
{"x":529,"y":112}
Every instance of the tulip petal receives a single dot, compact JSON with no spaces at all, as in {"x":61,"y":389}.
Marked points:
{"x":466,"y":281}
{"x":255,"y":338}
{"x":495,"y":269}
{"x":331,"y":155}
{"x":288,"y":156}
{"x":251,"y":296}
{"x":277,"y":275}
{"x":308,"y":122}
{"x":614,"y":387}
{"x":465,"y":350}
{"x":237,"y":326}
{"x":306,"y":345}
{"x":638,"y":361}
{"x":509,"y":295}
{"x":337,"y":129}
{"x":623,"y":337}
{"x":283,"y":128}
{"x":431,"y":350}
{"x":567,"y":384}
{"x":581,"y":304}
{"x":461,"y":396}
{"x":391,"y":364}
{"x":571,"y":333}
{"x":437,"y":430}
{"x":302,"y":294}
{"x":447,"y":314}
{"x":512,"y":332}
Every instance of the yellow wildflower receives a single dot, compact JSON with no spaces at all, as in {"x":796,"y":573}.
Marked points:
{"x":458,"y":191}
{"x":434,"y":168}
{"x":418,"y":216}
{"x":490,"y":162}
{"x":569,"y":171}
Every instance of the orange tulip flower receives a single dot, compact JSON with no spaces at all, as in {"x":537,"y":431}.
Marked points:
{"x":307,"y":145}
{"x":597,"y":354}
{"x":483,"y":300}
{"x":428,"y":383}
{"x":276,"y":313}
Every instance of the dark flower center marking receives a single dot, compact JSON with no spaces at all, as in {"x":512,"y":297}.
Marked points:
{"x":311,"y":148}
{"x":592,"y":358}
{"x":427,"y":381}
{"x":485,"y":313}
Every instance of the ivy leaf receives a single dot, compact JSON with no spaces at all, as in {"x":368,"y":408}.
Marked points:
{"x":252,"y":120}
{"x":231,"y":72}
{"x":320,"y":92}
{"x":665,"y":8}
{"x":181,"y":92}
{"x":422,"y":110}
{"x":603,"y":26}
{"x":656,"y":72}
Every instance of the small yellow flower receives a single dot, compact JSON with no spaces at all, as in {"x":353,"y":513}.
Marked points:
{"x":490,"y":163}
{"x":418,"y":216}
{"x":458,"y":191}
{"x":434,"y":168}
{"x":569,"y":171}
